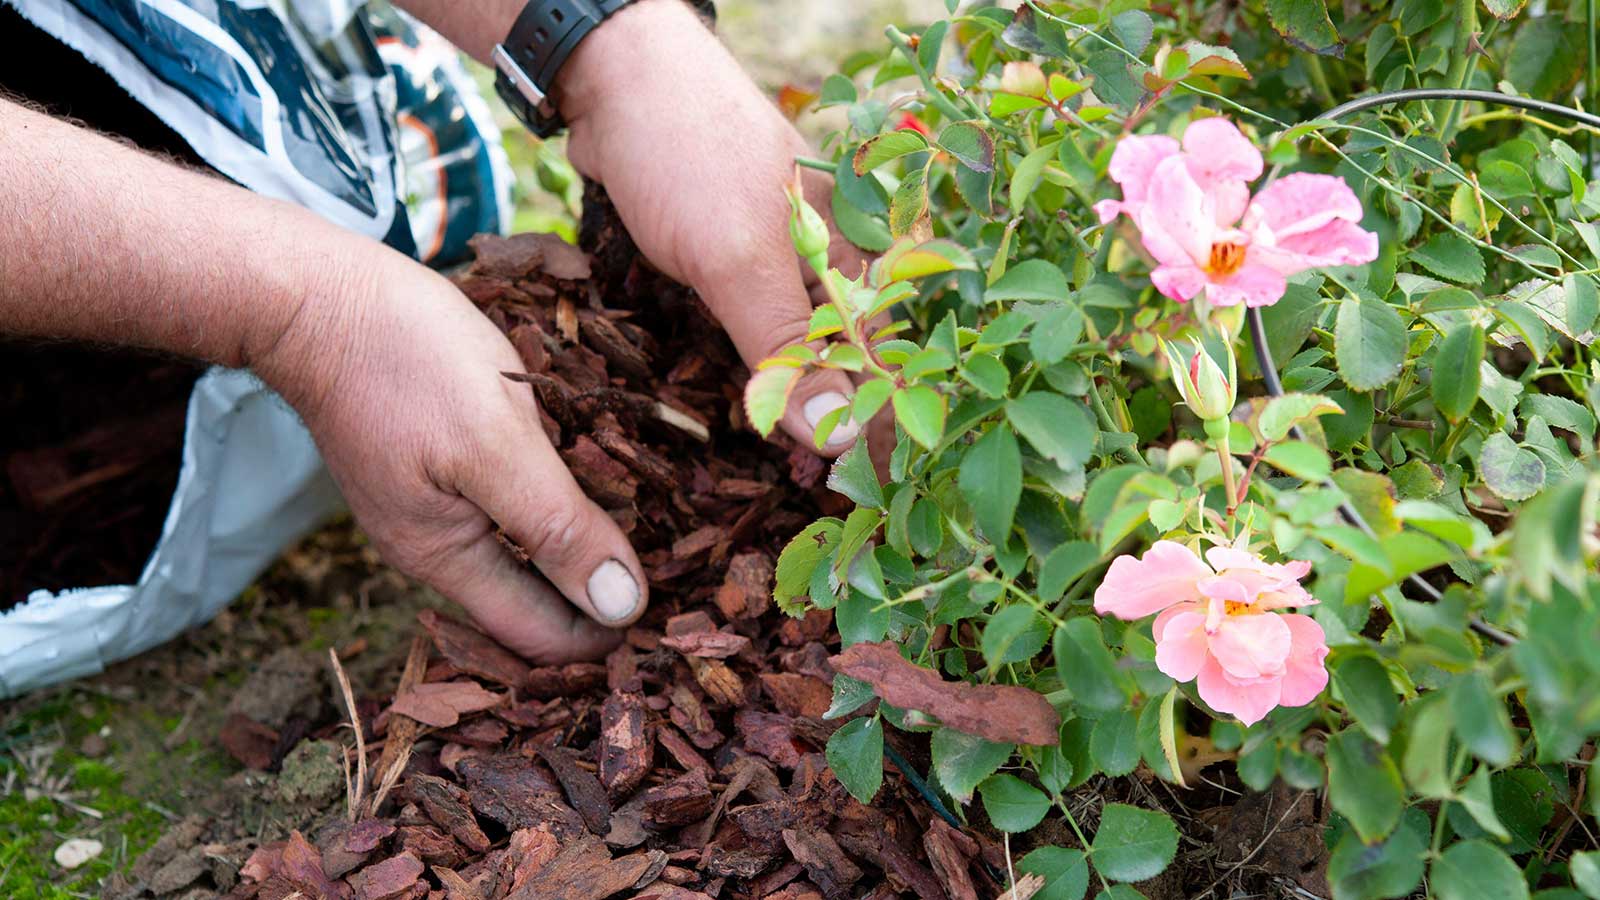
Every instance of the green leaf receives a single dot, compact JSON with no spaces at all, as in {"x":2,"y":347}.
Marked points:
{"x":1058,"y":428}
{"x":799,"y":558}
{"x":1387,"y":870}
{"x":1481,"y":720}
{"x":1065,"y":872}
{"x":909,"y":205}
{"x":1063,"y":566}
{"x":1585,"y":867}
{"x":1474,"y":870}
{"x":1369,"y":343}
{"x":1014,"y":634}
{"x":1012,"y":804}
{"x":1478,"y":800}
{"x":962,"y":761}
{"x":1114,"y":744}
{"x":1283,"y":413}
{"x":1305,"y":24}
{"x":925,"y":527}
{"x":866,"y":230}
{"x":837,"y":89}
{"x":1055,"y":333}
{"x":849,"y":695}
{"x":988,"y":374}
{"x":885,"y":147}
{"x":1407,"y":553}
{"x":920,"y":411}
{"x":855,"y":753}
{"x":1302,"y":460}
{"x":1504,"y":9}
{"x":1086,"y":666}
{"x":991,"y":480}
{"x":1505,"y":180}
{"x":1511,"y":471}
{"x":852,"y":475}
{"x":1451,"y":257}
{"x":1027,"y":174}
{"x":1364,"y":784}
{"x":1456,"y":378}
{"x":766,"y":397}
{"x":1133,"y":844}
{"x":1031,"y":279}
{"x":969,"y":143}
{"x":1368,"y":695}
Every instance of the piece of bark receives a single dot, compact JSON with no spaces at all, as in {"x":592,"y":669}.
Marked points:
{"x":526,"y":255}
{"x":446,"y":805}
{"x":691,"y":715}
{"x":515,"y":792}
{"x":570,"y":680}
{"x":584,"y":791}
{"x":641,"y":460}
{"x":680,"y":801}
{"x":442,"y":704}
{"x":626,"y":749}
{"x":605,"y":338}
{"x":768,"y":734}
{"x":813,"y":626}
{"x":797,"y":695}
{"x":746,"y":590}
{"x":584,"y":870}
{"x":681,"y":751}
{"x":800,"y":891}
{"x":721,"y":683}
{"x":345,"y":847}
{"x":949,"y":859}
{"x":707,"y":644}
{"x":698,"y":541}
{"x":529,"y":850}
{"x":690,"y":622}
{"x":829,"y":869}
{"x":249,"y":741}
{"x":472,"y":651}
{"x":430,"y":845}
{"x":606,"y":481}
{"x":1001,"y":713}
{"x":387,"y":880}
{"x":302,"y":865}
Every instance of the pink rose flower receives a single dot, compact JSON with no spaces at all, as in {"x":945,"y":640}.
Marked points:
{"x":1192,"y":205}
{"x":1218,"y":626}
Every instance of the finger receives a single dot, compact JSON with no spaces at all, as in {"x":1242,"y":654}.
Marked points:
{"x":527,"y":489}
{"x":519,"y":608}
{"x":764,"y":307}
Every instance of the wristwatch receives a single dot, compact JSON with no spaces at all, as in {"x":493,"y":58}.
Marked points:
{"x":543,"y":36}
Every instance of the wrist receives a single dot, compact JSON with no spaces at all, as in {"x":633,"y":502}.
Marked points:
{"x":622,"y":51}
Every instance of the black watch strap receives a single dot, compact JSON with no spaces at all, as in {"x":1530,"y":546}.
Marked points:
{"x":541,"y":39}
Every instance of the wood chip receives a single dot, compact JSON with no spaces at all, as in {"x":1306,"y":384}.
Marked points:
{"x":1000,"y":713}
{"x":626,"y":748}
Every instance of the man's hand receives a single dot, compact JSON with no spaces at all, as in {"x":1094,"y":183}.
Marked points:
{"x":398,"y":377}
{"x":695,"y":158}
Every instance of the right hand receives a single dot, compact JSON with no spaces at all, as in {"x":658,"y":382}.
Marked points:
{"x":397,"y":376}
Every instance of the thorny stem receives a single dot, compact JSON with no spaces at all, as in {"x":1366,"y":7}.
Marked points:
{"x":1225,"y":456}
{"x":1461,"y":67}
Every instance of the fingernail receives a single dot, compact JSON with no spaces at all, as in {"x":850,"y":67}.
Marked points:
{"x":613,"y":591}
{"x":843,"y":433}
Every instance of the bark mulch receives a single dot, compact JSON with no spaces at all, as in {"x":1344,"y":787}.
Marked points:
{"x":689,"y":763}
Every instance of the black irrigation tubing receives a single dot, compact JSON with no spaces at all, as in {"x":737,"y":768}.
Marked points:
{"x":1258,"y":332}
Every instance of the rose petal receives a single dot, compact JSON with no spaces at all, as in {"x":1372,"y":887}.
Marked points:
{"x":1181,"y":648}
{"x":1249,"y":701}
{"x":1134,"y":161}
{"x":1251,"y":645}
{"x":1338,"y":243}
{"x":1255,"y":284}
{"x":1305,"y":675}
{"x":1177,"y":221}
{"x":1217,"y":151}
{"x":1135,"y":588}
{"x":1181,"y":283}
{"x":1303,"y":202}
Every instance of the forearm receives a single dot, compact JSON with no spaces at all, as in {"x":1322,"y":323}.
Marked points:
{"x":101,"y":242}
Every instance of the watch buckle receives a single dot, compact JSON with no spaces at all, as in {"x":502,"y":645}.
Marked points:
{"x":517,"y":76}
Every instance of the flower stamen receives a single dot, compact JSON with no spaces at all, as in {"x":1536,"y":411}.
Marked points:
{"x":1226,"y":258}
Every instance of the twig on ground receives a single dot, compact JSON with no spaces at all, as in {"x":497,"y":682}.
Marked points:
{"x":353,"y":797}
{"x":402,"y":729}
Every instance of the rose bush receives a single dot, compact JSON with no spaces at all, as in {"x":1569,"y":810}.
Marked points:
{"x":1380,"y":584}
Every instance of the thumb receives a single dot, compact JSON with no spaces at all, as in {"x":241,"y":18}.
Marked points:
{"x":570,"y":539}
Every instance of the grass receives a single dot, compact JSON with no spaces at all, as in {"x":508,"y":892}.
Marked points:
{"x":54,"y":792}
